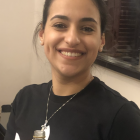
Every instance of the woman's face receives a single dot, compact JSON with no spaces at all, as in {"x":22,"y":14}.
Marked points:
{"x":72,"y":36}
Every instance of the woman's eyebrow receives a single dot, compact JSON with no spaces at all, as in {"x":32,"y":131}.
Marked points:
{"x":81,"y":20}
{"x":88,"y":19}
{"x":61,"y":17}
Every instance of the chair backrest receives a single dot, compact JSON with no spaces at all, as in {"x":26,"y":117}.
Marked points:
{"x":5,"y":113}
{"x":2,"y":132}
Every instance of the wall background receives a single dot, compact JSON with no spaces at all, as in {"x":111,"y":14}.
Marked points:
{"x":16,"y":29}
{"x":19,"y":65}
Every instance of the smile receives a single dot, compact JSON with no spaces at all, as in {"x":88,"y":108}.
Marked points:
{"x":71,"y":54}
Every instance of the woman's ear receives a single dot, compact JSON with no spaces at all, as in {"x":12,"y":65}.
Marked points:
{"x":41,"y":36}
{"x":102,"y":42}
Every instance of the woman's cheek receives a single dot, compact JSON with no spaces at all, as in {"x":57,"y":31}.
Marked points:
{"x":55,"y":39}
{"x":92,"y":45}
{"x":46,"y":50}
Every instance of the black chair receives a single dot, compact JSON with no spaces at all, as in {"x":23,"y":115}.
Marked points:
{"x":2,"y":132}
{"x":5,"y":113}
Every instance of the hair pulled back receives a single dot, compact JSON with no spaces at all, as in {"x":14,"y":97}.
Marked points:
{"x":41,"y":25}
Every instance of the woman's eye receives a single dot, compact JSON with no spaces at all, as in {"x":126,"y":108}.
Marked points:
{"x":87,"y":29}
{"x":59,"y":26}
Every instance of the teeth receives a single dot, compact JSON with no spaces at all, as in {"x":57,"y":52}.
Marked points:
{"x":71,"y":54}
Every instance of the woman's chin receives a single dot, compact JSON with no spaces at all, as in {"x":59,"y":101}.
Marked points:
{"x":70,"y":73}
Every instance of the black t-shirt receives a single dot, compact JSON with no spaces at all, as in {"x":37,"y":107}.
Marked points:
{"x":95,"y":113}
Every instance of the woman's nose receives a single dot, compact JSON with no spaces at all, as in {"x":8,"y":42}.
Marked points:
{"x":72,"y":37}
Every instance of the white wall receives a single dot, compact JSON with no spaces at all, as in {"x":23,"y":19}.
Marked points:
{"x":18,"y":63}
{"x":16,"y":29}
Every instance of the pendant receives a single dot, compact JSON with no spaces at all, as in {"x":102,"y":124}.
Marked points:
{"x":47,"y":132}
{"x":44,"y":126}
{"x":46,"y":129}
{"x":17,"y":136}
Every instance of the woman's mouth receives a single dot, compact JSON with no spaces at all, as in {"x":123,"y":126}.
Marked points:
{"x":71,"y":54}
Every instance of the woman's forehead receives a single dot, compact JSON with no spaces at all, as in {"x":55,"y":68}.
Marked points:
{"x":74,"y":9}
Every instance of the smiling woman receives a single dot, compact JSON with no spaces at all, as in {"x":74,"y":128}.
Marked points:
{"x":72,"y":40}
{"x":74,"y":105}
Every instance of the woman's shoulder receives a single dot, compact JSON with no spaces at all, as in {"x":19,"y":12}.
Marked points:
{"x":119,"y":113}
{"x":32,"y":92}
{"x":110,"y":98}
{"x":108,"y":92}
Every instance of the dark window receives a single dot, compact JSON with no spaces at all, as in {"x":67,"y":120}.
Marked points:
{"x":122,"y":48}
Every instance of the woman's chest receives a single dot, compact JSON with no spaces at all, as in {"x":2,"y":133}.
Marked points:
{"x":72,"y":122}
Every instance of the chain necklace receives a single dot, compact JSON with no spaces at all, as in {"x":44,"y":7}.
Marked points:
{"x":46,"y":121}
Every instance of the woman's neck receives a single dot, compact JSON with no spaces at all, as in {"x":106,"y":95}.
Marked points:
{"x":65,"y":86}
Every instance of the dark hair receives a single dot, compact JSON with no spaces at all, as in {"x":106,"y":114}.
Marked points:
{"x":41,"y":25}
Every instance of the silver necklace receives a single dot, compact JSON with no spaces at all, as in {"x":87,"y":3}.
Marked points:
{"x":46,"y":121}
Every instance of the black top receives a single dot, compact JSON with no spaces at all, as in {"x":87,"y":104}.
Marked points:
{"x":95,"y":113}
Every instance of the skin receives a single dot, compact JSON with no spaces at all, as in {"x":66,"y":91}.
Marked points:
{"x":70,"y":34}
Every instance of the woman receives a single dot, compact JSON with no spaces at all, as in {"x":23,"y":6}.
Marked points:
{"x":77,"y":105}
